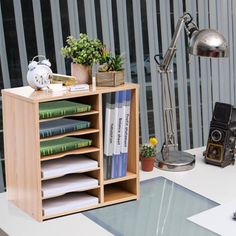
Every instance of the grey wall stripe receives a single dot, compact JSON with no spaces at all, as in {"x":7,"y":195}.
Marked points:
{"x":1,"y":178}
{"x":140,"y":69}
{"x":57,"y":33}
{"x":73,"y":18}
{"x":155,"y":83}
{"x":182,"y":80}
{"x":234,"y":43}
{"x":195,"y":89}
{"x":21,"y":39}
{"x":90,"y":18}
{"x":107,"y":25}
{"x":223,"y":63}
{"x":123,"y":36}
{"x":3,"y":55}
{"x":38,"y":27}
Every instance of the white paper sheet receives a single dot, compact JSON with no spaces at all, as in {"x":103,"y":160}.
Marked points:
{"x":218,"y":219}
{"x":68,"y":183}
{"x":68,"y":202}
{"x":67,"y":165}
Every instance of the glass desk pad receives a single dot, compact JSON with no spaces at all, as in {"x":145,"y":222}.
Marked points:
{"x":161,"y":210}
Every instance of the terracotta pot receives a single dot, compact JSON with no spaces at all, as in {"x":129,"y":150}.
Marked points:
{"x":147,"y":163}
{"x":82,"y":73}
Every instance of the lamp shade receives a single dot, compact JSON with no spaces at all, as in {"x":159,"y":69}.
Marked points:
{"x":208,"y":43}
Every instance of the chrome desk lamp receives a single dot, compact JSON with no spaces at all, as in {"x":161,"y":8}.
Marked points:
{"x":206,"y":43}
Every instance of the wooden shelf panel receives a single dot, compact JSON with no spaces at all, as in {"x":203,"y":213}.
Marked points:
{"x":79,"y":172}
{"x":92,"y":112}
{"x":58,"y":195}
{"x":115,"y":194}
{"x":128,"y":176}
{"x":75,"y":133}
{"x":77,"y":151}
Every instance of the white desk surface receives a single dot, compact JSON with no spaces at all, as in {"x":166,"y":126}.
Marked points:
{"x":210,"y":181}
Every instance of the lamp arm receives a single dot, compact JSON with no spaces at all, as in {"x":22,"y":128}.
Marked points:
{"x":183,"y":22}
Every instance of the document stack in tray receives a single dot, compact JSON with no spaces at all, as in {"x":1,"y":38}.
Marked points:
{"x":67,"y":165}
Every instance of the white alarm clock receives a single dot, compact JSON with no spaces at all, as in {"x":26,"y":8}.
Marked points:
{"x":39,"y":73}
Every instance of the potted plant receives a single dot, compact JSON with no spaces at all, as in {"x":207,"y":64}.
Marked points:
{"x":110,"y":71}
{"x":147,"y":154}
{"x":84,"y":52}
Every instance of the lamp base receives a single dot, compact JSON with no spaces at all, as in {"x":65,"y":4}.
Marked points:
{"x":175,"y":161}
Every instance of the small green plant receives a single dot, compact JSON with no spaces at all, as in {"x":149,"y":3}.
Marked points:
{"x":84,"y":50}
{"x":108,"y":62}
{"x":149,"y":149}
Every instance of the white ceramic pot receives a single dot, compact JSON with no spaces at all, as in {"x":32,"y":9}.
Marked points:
{"x":82,"y":73}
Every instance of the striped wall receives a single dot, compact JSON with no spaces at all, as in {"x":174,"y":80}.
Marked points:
{"x":141,"y":29}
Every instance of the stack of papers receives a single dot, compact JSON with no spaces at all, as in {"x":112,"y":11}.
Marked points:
{"x":68,"y":183}
{"x":68,"y":202}
{"x":67,"y":165}
{"x":218,"y":219}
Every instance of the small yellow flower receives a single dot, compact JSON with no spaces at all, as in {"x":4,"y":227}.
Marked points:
{"x":153,"y":141}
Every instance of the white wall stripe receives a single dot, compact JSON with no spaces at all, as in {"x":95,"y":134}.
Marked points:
{"x":205,"y":74}
{"x":123,"y":36}
{"x":166,"y":38}
{"x":38,"y":27}
{"x":107,"y":25}
{"x":90,"y":18}
{"x":21,"y":40}
{"x":182,"y":80}
{"x":57,"y":33}
{"x":231,"y":54}
{"x":195,"y":88}
{"x":140,"y":69}
{"x":73,"y":18}
{"x":215,"y":63}
{"x":3,"y":56}
{"x":155,"y":83}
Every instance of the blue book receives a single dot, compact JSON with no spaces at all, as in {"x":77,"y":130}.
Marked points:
{"x":109,"y":124}
{"x":117,"y":134}
{"x":125,"y":133}
{"x":61,"y":126}
{"x":122,"y":125}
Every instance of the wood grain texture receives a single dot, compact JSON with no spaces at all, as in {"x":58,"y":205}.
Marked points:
{"x":29,"y":94}
{"x":22,"y":147}
{"x":21,"y":144}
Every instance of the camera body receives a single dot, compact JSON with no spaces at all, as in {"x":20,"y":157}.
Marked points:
{"x":221,"y":139}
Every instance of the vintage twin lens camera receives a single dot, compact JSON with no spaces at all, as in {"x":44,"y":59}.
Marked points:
{"x":222,"y":136}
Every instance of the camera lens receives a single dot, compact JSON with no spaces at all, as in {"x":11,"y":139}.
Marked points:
{"x":216,"y":135}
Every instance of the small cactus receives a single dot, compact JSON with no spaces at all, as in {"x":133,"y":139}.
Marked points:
{"x":149,"y":149}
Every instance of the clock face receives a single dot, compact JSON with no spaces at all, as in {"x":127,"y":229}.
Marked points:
{"x":39,"y":77}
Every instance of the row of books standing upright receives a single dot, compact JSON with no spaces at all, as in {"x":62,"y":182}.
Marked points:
{"x":116,"y":133}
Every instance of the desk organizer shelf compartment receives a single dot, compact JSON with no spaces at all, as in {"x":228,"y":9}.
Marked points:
{"x":62,"y":127}
{"x":68,"y":183}
{"x":67,"y":165}
{"x":69,"y":202}
{"x":69,"y":126}
{"x":61,"y":145}
{"x":120,"y":191}
{"x":60,"y":108}
{"x":25,"y":178}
